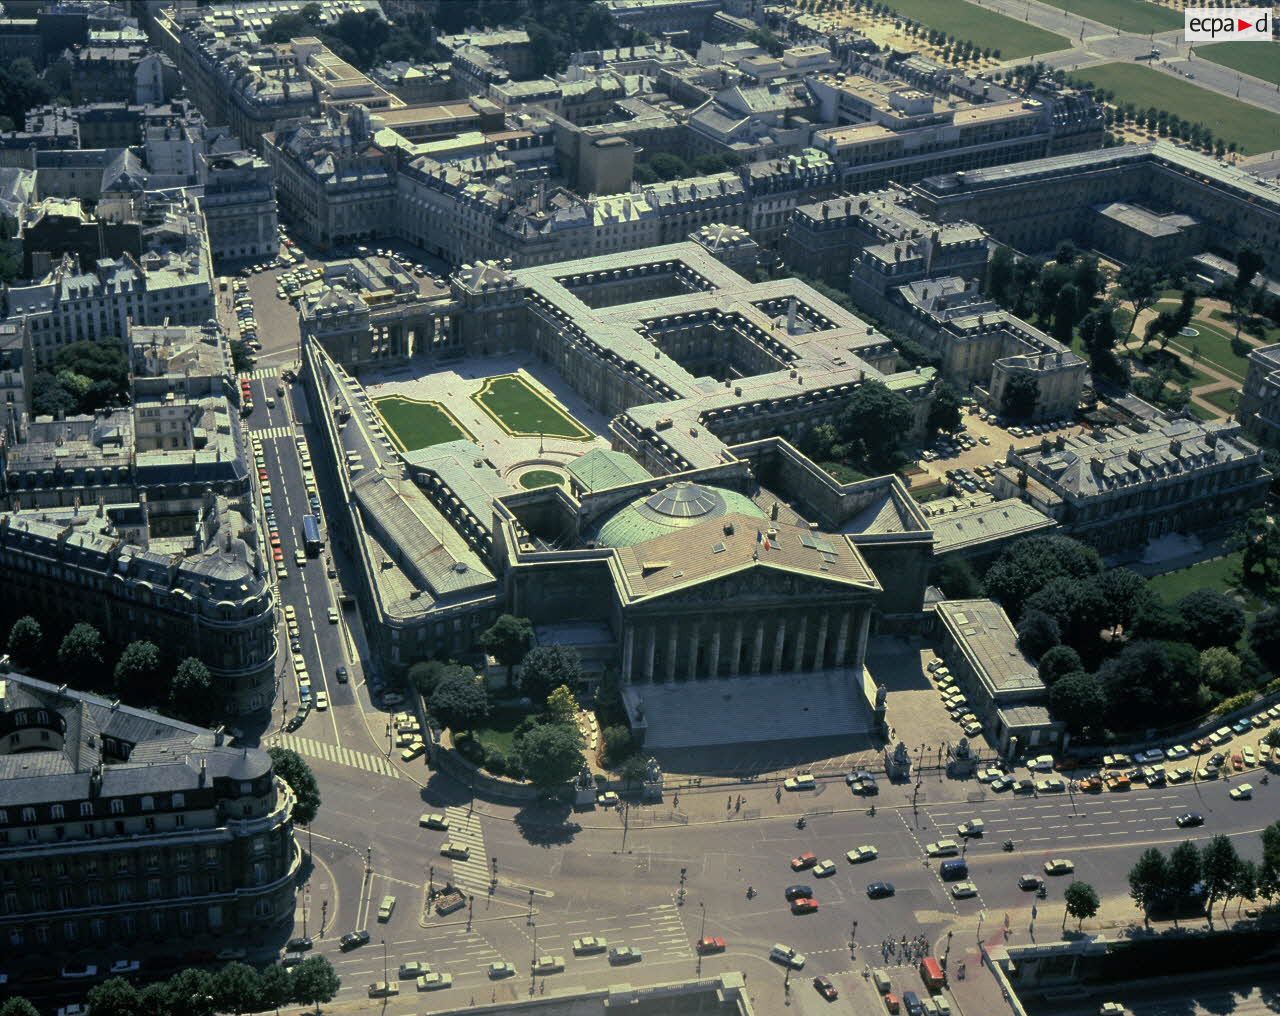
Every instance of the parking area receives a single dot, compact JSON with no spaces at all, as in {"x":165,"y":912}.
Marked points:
{"x":967,"y":459}
{"x":918,"y":713}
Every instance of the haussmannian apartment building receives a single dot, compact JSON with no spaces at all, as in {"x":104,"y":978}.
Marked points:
{"x":121,"y":826}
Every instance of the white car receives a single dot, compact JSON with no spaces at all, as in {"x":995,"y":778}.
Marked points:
{"x":125,"y":967}
{"x":322,"y":701}
{"x":974,"y":827}
{"x":824,"y":869}
{"x":1053,"y":785}
{"x":74,"y":1009}
{"x":1059,"y":866}
{"x":963,"y":890}
{"x":866,"y":852}
{"x":943,"y":848}
{"x":803,"y":782}
{"x":1242,"y":793}
{"x":1041,"y":764}
{"x":434,"y":981}
{"x":1178,"y":751}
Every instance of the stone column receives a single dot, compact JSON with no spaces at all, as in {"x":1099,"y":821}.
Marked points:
{"x":797,"y":657}
{"x":758,"y":647}
{"x":779,"y":641}
{"x":651,"y":639}
{"x":820,"y":647}
{"x":672,"y":636}
{"x":842,"y":639}
{"x":864,"y":629}
{"x":714,"y":668}
{"x":628,"y":648}
{"x":694,"y":632}
{"x":735,"y":660}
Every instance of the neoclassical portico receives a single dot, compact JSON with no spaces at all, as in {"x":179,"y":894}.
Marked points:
{"x":683,"y":647}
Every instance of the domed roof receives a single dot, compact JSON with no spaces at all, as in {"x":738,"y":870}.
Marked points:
{"x":677,"y":506}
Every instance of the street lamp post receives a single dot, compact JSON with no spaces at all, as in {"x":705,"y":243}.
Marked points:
{"x":384,"y":960}
{"x":703,"y":933}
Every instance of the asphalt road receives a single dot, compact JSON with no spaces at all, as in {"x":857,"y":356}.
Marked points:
{"x":585,"y":881}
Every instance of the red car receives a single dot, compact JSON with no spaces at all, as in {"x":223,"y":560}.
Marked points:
{"x":825,"y":988}
{"x":807,"y":905}
{"x":277,"y":554}
{"x":1237,"y":763}
{"x":706,"y":946}
{"x":806,"y":860}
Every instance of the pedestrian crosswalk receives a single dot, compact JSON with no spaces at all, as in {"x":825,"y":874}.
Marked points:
{"x":464,"y":829}
{"x":260,"y":374}
{"x":267,"y":433}
{"x":336,"y":754}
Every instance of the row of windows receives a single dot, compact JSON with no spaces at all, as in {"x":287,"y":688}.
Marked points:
{"x":57,"y":812}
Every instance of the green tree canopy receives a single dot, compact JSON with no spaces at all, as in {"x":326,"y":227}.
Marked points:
{"x":113,"y":997}
{"x":1219,"y":868}
{"x":546,"y":668}
{"x":873,"y":423}
{"x":1037,"y":632}
{"x":80,"y":655}
{"x":944,"y":411}
{"x":291,"y":768}
{"x":191,"y":693}
{"x":18,"y":1006}
{"x":1148,"y":881}
{"x":1020,"y":397}
{"x":315,"y":982}
{"x":1027,"y":565}
{"x":1082,"y":901}
{"x":1058,"y":662}
{"x":237,"y":988}
{"x":1137,"y":284}
{"x":426,"y":674}
{"x":460,"y":701}
{"x":1078,"y":700}
{"x":1220,"y":669}
{"x":137,"y":674}
{"x":507,"y":640}
{"x":1212,"y":618}
{"x":26,"y":639}
{"x":550,"y":754}
{"x":190,"y":992}
{"x":562,"y":705}
{"x":1149,"y":679}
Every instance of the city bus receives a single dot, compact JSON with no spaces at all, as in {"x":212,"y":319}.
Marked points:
{"x":311,"y":535}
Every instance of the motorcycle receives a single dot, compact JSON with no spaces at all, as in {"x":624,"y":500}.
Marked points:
{"x":800,"y":823}
{"x":1008,"y":846}
{"x":1043,"y":893}
{"x":750,"y":892}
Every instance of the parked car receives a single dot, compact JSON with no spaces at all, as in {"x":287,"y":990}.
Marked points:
{"x":825,"y":988}
{"x":353,"y":940}
{"x":866,"y":852}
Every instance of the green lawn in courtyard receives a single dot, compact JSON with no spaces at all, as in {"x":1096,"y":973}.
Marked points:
{"x":1270,"y":333}
{"x":1221,"y":574}
{"x":416,"y":424}
{"x":520,"y":409}
{"x":1201,"y":413}
{"x":536,"y":478}
{"x":982,"y":27}
{"x":1214,"y":347}
{"x":1253,"y":129}
{"x":1262,"y":60}
{"x":1153,"y":356}
{"x":1127,"y":15}
{"x":498,"y":728}
{"x":1228,"y":400}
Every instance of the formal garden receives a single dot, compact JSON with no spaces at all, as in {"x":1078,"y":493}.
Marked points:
{"x":415,"y":424}
{"x":522,"y":409}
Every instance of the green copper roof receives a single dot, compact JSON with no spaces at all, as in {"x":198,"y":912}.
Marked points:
{"x":602,"y":468}
{"x":675,"y":507}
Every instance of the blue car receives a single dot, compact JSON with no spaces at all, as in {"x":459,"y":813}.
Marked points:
{"x":880,"y":890}
{"x":1242,"y":727}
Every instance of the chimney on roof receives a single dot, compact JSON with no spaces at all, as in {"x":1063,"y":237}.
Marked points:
{"x":203,"y":774}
